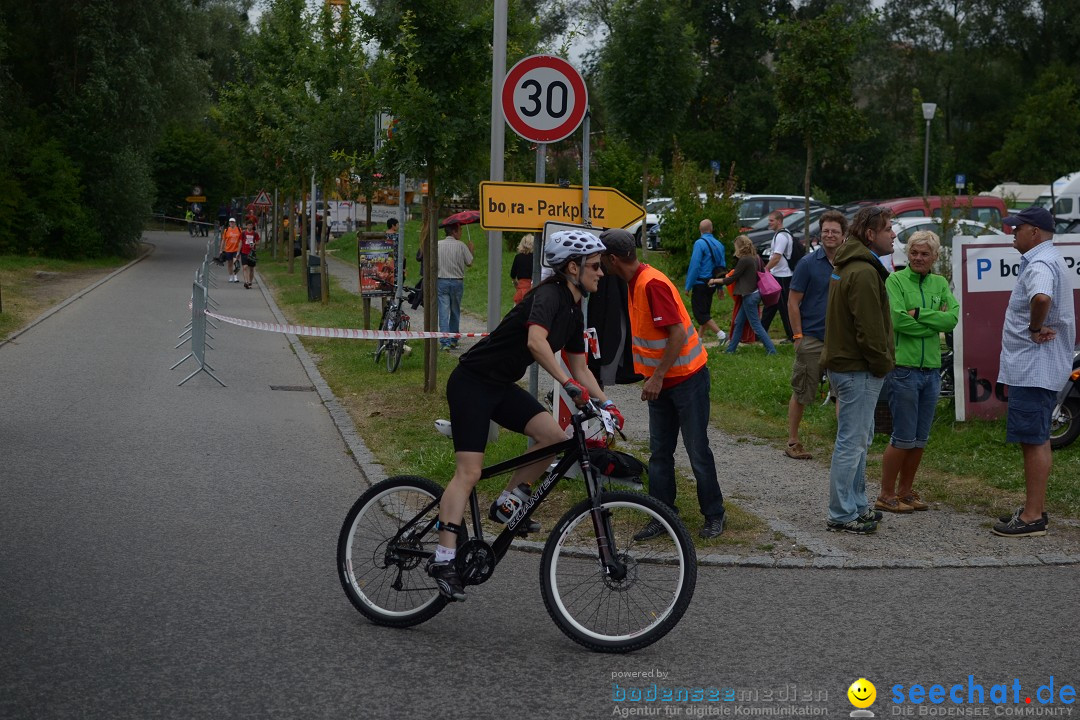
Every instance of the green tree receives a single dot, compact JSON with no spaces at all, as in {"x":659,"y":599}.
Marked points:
{"x":813,"y":83}
{"x":648,"y":74}
{"x":1040,"y":144}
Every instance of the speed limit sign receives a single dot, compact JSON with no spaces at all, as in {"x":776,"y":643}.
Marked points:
{"x":544,"y":98}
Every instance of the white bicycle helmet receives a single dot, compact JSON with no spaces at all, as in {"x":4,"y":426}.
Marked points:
{"x":566,"y":245}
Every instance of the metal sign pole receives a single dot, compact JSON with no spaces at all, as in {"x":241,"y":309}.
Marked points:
{"x":538,"y":251}
{"x":498,"y":141}
{"x":399,"y":260}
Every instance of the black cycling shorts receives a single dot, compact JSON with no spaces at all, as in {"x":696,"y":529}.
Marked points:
{"x":474,"y":402}
{"x":248,"y":260}
{"x":701,"y":303}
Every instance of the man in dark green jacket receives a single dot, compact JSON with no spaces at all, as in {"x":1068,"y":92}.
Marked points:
{"x":858,"y":355}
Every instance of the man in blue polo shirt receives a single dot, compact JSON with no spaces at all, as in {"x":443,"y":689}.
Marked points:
{"x":807,"y":301}
{"x":707,"y":258}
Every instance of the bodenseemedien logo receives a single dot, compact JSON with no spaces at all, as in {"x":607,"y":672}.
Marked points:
{"x":862,"y":694}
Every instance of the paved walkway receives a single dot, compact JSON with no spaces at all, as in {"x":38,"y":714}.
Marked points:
{"x":791,"y":497}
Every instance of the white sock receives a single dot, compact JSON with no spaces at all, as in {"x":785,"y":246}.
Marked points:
{"x":443,"y":554}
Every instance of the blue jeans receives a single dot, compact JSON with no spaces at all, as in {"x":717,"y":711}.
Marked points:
{"x":449,"y":292}
{"x":913,"y":396}
{"x":683,"y":407}
{"x":856,"y":396}
{"x":748,"y":313}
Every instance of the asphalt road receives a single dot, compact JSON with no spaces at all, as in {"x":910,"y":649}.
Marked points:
{"x":169,"y":552}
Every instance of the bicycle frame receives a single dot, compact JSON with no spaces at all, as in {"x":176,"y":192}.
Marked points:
{"x":575,"y":451}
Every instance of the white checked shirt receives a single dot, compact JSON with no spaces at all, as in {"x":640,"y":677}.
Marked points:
{"x":1024,"y":362}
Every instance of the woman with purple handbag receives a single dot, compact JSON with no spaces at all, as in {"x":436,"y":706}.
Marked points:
{"x":745,"y":278}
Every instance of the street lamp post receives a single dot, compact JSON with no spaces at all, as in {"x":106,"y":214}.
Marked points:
{"x":928,"y":110}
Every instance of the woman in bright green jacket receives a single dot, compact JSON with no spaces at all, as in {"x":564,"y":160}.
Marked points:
{"x":922,"y":308}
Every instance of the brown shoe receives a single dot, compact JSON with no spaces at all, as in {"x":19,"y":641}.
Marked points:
{"x":914,"y":501}
{"x":796,"y":452}
{"x":893,"y":505}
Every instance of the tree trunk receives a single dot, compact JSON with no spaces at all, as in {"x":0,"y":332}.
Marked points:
{"x":806,"y":192}
{"x":644,"y":200}
{"x":289,"y":242}
{"x":430,"y":243}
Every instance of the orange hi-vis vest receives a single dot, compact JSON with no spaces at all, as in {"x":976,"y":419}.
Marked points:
{"x":649,"y":341}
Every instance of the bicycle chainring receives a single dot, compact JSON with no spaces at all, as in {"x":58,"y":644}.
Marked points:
{"x":475,"y":562}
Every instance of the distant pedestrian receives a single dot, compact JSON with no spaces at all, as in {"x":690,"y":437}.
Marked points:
{"x":521,"y":269}
{"x":454,"y":257}
{"x":807,"y":300}
{"x":1036,"y":358}
{"x":923,"y":307}
{"x":779,"y":256}
{"x":222,"y":216}
{"x":706,"y":262}
{"x":189,"y":218}
{"x":745,"y":278}
{"x":669,"y":354}
{"x":858,"y":354}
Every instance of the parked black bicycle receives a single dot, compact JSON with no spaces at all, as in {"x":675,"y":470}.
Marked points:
{"x":602,"y":588}
{"x":394,"y":318}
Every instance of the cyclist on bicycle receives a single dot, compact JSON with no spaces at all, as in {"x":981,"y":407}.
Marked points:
{"x":483,"y":387}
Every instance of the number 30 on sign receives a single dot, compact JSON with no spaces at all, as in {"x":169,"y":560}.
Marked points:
{"x":544,"y":98}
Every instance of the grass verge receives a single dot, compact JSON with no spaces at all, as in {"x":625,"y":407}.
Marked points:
{"x":29,"y":285}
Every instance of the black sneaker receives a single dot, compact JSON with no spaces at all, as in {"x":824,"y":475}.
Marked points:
{"x":858,"y":526}
{"x":713,"y":527}
{"x":871,"y":515}
{"x":651,"y":530}
{"x":445,"y":576}
{"x":1016,"y":527}
{"x":1007,"y":518}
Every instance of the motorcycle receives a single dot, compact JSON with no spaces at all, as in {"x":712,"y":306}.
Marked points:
{"x":1065,"y":420}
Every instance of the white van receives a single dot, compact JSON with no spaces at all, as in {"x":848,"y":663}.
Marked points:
{"x":1066,"y":198}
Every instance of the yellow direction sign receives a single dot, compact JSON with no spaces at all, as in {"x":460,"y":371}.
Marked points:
{"x":195,"y":198}
{"x":527,"y":206}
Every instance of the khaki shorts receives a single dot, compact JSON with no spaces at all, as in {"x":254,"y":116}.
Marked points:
{"x":806,"y":372}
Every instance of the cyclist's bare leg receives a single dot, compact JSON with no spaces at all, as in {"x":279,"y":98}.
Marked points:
{"x":544,"y":432}
{"x":456,"y":495}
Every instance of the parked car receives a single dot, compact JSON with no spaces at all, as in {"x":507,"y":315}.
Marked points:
{"x":987,"y":209}
{"x":755,"y":207}
{"x":1065,"y":198}
{"x":907,"y":226}
{"x":653,"y":209}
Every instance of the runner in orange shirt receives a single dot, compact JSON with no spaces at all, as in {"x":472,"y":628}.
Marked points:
{"x":230,"y":246}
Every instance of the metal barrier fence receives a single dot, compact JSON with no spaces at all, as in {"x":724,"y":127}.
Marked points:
{"x":196,"y":330}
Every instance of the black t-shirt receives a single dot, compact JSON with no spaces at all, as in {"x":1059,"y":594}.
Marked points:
{"x":522,"y":267}
{"x":503,"y":356}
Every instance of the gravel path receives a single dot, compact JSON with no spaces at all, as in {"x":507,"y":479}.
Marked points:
{"x":791,"y":496}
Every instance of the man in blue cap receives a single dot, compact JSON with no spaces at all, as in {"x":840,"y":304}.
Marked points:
{"x":1036,"y":358}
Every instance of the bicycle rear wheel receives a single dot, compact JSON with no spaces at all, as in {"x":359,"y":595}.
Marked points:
{"x":606,"y":614}
{"x":380,"y":563}
{"x":396,"y":348}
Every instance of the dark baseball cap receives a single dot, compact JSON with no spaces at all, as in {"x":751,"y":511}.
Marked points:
{"x":618,"y":242}
{"x":1036,"y":216}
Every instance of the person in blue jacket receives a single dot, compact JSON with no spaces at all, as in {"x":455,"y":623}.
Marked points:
{"x":706,"y":262}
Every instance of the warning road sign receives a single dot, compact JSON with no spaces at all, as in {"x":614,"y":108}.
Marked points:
{"x":527,"y":206}
{"x":263,"y":200}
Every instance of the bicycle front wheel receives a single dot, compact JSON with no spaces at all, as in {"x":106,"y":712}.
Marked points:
{"x":609,"y":614}
{"x":383,"y":548}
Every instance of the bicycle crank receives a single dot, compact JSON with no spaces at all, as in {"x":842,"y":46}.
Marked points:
{"x":475,"y":562}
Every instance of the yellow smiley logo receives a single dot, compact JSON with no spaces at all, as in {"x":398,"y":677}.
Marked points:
{"x":862,"y":693}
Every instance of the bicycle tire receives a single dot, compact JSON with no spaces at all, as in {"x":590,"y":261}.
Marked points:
{"x":397,"y":347}
{"x":612,"y":616}
{"x":1066,"y":427}
{"x":368,"y":570}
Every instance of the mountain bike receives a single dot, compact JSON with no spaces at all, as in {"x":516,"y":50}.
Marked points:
{"x":394,"y":318}
{"x":603,"y":589}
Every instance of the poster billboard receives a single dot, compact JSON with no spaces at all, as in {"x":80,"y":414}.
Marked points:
{"x":984,"y":273}
{"x":375,"y":258}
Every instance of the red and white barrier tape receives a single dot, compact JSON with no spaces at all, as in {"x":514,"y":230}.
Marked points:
{"x":348,"y":333}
